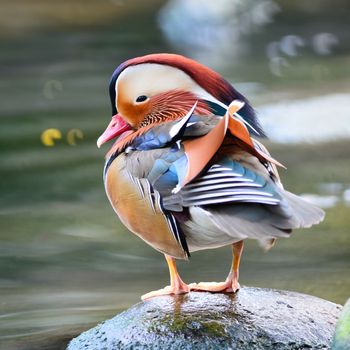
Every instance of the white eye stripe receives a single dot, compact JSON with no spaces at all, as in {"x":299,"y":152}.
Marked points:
{"x":136,"y":81}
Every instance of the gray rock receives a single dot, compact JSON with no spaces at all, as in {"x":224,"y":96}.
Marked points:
{"x":254,"y":318}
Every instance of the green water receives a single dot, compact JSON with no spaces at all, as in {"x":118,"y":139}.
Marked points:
{"x":66,"y":263}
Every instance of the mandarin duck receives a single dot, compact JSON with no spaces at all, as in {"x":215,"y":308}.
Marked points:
{"x":186,"y":173}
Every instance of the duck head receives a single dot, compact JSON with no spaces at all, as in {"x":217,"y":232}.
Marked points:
{"x":157,"y":88}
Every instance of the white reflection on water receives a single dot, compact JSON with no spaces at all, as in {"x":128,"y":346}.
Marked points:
{"x":346,"y":196}
{"x":317,"y":119}
{"x":330,"y":194}
{"x":323,"y":43}
{"x":277,"y":65}
{"x":214,"y":31}
{"x":321,"y":201}
{"x":289,"y":44}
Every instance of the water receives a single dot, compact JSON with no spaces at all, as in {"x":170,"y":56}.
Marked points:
{"x":66,"y":263}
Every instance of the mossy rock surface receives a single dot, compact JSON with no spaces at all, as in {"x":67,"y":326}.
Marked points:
{"x":342,"y":334}
{"x":253,"y":318}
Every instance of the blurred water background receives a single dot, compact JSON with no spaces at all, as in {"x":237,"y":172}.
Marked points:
{"x":66,"y":262}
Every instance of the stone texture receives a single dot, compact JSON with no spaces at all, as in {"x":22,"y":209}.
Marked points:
{"x":254,"y":318}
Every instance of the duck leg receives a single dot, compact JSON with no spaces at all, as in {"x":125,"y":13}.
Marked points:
{"x":231,"y":284}
{"x":177,"y":286}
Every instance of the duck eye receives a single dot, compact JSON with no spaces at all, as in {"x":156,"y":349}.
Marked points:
{"x":141,"y":98}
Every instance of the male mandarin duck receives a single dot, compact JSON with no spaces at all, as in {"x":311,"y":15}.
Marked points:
{"x":185,"y":173}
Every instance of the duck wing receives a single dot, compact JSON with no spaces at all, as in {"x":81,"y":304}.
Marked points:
{"x":210,"y":176}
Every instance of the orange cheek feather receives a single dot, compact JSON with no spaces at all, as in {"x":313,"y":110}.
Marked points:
{"x":133,"y":114}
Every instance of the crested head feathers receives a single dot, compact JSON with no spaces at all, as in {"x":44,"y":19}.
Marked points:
{"x":206,"y":78}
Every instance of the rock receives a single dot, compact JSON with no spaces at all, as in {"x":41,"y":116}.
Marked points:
{"x":342,"y":334}
{"x":254,"y":318}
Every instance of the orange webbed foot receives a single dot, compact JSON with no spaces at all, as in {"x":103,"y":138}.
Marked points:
{"x":183,"y":288}
{"x":216,"y":287}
